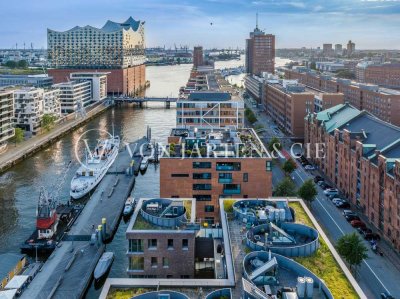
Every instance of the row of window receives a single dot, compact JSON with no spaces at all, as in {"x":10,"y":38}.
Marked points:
{"x":222,"y":177}
{"x":137,"y":245}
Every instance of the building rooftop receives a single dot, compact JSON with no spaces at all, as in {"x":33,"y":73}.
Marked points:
{"x":215,"y":143}
{"x":163,"y":214}
{"x":111,"y":26}
{"x":209,"y":96}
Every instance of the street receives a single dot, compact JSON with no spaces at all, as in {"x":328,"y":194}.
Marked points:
{"x":376,"y":274}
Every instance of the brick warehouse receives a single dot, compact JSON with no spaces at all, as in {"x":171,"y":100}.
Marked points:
{"x":362,"y":159}
{"x":116,"y":48}
{"x":384,"y":103}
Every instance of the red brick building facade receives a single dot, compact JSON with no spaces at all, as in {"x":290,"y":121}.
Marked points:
{"x":362,"y":158}
{"x":128,"y":80}
{"x":382,"y":102}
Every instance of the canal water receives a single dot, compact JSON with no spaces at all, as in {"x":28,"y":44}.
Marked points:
{"x":20,"y":186}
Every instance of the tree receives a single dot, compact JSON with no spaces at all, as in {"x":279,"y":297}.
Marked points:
{"x":19,"y":136}
{"x":352,"y":248}
{"x":11,"y":64}
{"x":308,"y":191}
{"x":48,"y":121}
{"x":313,"y":66}
{"x":23,"y":64}
{"x":273,"y":144}
{"x":250,"y":116}
{"x":289,"y":166}
{"x":285,"y":188}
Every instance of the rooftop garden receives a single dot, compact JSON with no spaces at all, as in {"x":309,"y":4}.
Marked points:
{"x":126,"y":293}
{"x":322,"y":263}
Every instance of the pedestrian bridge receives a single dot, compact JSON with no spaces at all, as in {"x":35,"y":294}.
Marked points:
{"x":126,"y":99}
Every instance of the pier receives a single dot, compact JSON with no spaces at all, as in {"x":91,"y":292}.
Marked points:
{"x":68,"y":271}
{"x":71,"y":122}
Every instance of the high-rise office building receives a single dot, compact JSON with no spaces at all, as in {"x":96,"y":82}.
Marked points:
{"x":351,"y":47}
{"x":116,"y":48}
{"x":338,"y":49}
{"x":260,"y":52}
{"x":198,"y":56}
{"x":327,"y":49}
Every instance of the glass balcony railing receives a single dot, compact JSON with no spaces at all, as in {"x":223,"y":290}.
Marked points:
{"x":225,"y":180}
{"x":232,"y":191}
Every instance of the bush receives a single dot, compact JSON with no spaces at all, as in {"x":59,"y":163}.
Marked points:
{"x":250,"y":115}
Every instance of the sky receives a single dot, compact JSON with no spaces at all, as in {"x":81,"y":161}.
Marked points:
{"x":371,"y":24}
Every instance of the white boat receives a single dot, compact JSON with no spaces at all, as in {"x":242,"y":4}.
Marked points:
{"x":144,"y":163}
{"x":90,"y":174}
{"x":129,"y":205}
{"x":103,"y":265}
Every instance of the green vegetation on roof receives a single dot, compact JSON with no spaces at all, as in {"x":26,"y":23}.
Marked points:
{"x":322,"y":263}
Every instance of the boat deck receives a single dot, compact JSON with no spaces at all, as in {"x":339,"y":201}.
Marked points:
{"x":68,"y":271}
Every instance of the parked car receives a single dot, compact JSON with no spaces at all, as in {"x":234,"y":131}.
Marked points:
{"x":326,"y":186}
{"x":345,"y":212}
{"x":331,"y":191}
{"x":372,"y":236}
{"x":351,"y":217}
{"x":318,"y":178}
{"x":357,"y":223}
{"x":309,"y":167}
{"x":364,"y":230}
{"x":343,"y":204}
{"x":386,"y":295}
{"x":336,"y":199}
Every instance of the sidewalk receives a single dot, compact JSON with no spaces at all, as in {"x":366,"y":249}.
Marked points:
{"x":13,"y":153}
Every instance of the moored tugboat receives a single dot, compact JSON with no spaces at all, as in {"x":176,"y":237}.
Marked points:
{"x":51,"y":223}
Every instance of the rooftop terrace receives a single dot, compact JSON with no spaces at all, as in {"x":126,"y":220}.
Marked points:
{"x":215,"y":143}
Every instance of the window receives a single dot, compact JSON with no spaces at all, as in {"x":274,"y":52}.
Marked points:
{"x":165,"y":262}
{"x":154,"y":262}
{"x":136,"y":263}
{"x":208,"y":208}
{"x":201,"y":186}
{"x":170,"y":243}
{"x":245,"y":177}
{"x":209,"y":220}
{"x":202,"y":197}
{"x":235,"y":166}
{"x":225,"y":177}
{"x":202,"y":176}
{"x":136,"y":245}
{"x":201,"y":164}
{"x":180,"y":175}
{"x":169,"y":276}
{"x":152,"y":243}
{"x":185,"y":243}
{"x":185,"y":276}
{"x":268,"y":166}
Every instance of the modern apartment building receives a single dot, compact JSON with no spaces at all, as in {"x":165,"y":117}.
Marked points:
{"x":51,"y":102}
{"x":98,"y":82}
{"x":29,"y":108}
{"x":6,"y":115}
{"x":362,"y":159}
{"x":161,"y":236}
{"x":116,"y":48}
{"x":74,"y":95}
{"x":208,"y":164}
{"x":381,"y":102}
{"x":260,"y":53}
{"x":26,"y":80}
{"x":287,"y":102}
{"x":210,"y":109}
{"x":198,"y":56}
{"x":387,"y":74}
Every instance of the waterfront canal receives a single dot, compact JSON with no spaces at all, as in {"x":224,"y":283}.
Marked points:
{"x":20,"y":185}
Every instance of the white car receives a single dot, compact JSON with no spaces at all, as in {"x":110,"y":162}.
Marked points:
{"x":331,"y":192}
{"x":336,"y":200}
{"x":309,"y":167}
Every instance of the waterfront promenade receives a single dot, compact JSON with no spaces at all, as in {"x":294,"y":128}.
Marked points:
{"x":16,"y":153}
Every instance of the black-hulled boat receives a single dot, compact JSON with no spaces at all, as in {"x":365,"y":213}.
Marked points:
{"x":52,"y":221}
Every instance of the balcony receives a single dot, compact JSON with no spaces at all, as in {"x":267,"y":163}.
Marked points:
{"x":231,"y":189}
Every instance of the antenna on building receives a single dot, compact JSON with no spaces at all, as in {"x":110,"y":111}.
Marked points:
{"x":257,"y":20}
